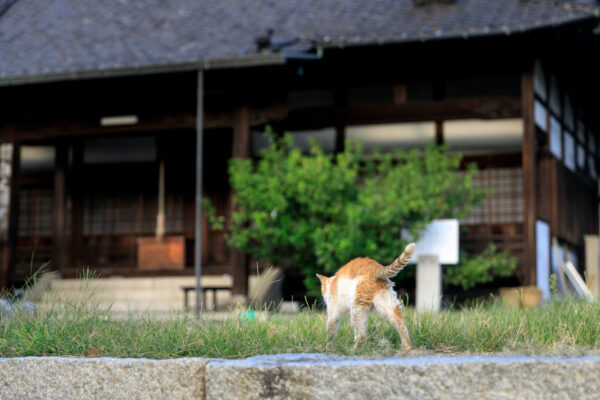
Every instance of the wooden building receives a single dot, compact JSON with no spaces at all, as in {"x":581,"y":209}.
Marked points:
{"x":110,"y":109}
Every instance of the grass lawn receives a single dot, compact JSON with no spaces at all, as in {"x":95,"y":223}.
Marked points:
{"x":566,"y":327}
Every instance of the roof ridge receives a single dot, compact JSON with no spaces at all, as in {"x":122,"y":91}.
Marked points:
{"x":5,"y":5}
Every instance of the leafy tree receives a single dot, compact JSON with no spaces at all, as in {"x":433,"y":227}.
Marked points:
{"x":317,"y":211}
{"x":481,"y":268}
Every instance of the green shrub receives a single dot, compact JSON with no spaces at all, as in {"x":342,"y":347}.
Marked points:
{"x":317,"y":211}
{"x":482,"y":268}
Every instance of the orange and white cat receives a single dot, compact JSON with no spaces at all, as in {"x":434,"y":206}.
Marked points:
{"x":356,"y":288}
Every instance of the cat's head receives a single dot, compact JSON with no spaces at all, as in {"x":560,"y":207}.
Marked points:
{"x":324,"y":284}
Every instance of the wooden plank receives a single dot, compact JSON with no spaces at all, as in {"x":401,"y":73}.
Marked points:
{"x":241,"y":149}
{"x":59,"y":208}
{"x":529,"y":178}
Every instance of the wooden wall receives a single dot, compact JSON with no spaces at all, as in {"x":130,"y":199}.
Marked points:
{"x":567,"y":202}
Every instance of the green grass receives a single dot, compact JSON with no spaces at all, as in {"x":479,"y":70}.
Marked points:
{"x":66,"y":329}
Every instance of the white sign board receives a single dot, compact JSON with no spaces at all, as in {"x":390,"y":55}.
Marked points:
{"x":439,"y":238}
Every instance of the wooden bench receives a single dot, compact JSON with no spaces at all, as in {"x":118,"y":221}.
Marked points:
{"x":213,"y":289}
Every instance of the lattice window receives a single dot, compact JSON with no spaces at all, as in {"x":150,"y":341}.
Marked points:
{"x":505,"y":204}
{"x":35,"y":213}
{"x":128,"y":213}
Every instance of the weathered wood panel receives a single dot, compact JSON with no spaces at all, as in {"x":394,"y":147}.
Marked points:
{"x":576,"y":206}
{"x":566,"y":200}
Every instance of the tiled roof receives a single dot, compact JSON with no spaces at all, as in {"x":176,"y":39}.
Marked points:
{"x":41,"y":38}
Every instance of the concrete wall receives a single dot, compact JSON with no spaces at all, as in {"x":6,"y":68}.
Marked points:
{"x":302,"y":376}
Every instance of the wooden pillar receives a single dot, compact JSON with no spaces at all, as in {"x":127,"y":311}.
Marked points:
{"x":241,"y":149}
{"x":439,"y":133}
{"x":439,"y":95}
{"x":529,"y":179}
{"x":341,"y":104}
{"x":59,"y":206}
{"x":13,"y":219}
{"x":77,"y":205}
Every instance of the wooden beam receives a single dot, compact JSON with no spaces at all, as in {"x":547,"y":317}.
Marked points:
{"x":529,"y":179}
{"x":59,"y":208}
{"x":241,"y":149}
{"x":481,"y":108}
{"x":432,"y":110}
{"x":46,"y":129}
{"x":213,"y":119}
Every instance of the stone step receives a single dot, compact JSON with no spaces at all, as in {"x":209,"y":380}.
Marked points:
{"x":302,"y":376}
{"x":155,"y":294}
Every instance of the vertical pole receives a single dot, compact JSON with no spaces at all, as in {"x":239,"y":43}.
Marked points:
{"x":160,"y":217}
{"x":13,"y":218}
{"x":198,"y":220}
{"x":59,"y":207}
{"x":529,"y":178}
{"x":241,"y":149}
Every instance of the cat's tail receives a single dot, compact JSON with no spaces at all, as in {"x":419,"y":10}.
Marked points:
{"x":392,"y":270}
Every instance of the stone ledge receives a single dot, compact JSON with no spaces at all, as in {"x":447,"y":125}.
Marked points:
{"x":101,"y":378}
{"x":313,"y":376}
{"x":302,"y":376}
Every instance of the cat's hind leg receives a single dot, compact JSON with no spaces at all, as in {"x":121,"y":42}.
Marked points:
{"x":387,"y":304}
{"x":333,"y":323}
{"x":358,"y":319}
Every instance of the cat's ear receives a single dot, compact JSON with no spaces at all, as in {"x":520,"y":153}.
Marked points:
{"x":322,"y":278}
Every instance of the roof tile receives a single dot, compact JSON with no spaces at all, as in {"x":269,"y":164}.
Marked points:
{"x":72,"y":36}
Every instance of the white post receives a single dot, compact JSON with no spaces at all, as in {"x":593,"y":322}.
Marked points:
{"x":429,"y":283}
{"x":592,"y":264}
